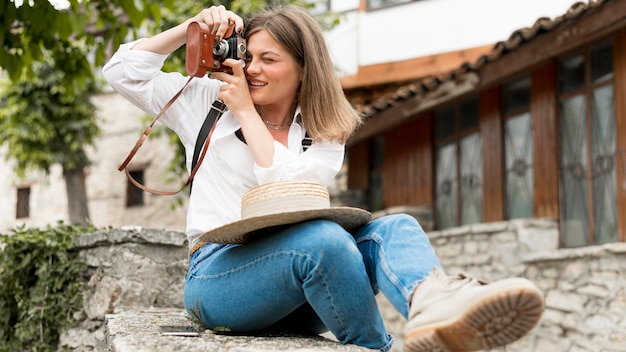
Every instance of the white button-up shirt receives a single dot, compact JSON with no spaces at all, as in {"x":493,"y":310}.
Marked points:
{"x":228,"y":169}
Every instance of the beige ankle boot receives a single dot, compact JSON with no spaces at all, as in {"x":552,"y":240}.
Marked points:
{"x":458,"y":313}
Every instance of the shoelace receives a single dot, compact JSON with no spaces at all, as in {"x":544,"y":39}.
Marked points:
{"x":456,"y":282}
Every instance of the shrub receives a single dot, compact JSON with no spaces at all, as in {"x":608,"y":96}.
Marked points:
{"x":40,"y":286}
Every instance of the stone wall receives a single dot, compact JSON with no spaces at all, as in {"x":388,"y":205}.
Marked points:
{"x":128,"y":267}
{"x":585,"y":288}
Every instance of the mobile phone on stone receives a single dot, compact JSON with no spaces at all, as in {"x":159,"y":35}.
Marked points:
{"x":179,"y":330}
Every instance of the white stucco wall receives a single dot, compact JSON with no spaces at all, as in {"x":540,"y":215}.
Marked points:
{"x":427,"y":27}
{"x":47,"y":196}
{"x":7,"y":190}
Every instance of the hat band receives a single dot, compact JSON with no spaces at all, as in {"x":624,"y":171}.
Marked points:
{"x":283,"y":205}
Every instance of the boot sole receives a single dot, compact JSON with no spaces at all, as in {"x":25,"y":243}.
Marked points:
{"x":493,"y":321}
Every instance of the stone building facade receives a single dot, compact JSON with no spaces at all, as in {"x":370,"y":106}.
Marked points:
{"x":121,"y":124}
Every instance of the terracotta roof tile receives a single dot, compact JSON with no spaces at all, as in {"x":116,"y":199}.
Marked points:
{"x":515,"y":40}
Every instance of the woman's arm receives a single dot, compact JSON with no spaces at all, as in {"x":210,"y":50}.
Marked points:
{"x":216,"y":17}
{"x":235,"y":93}
{"x":320,"y":164}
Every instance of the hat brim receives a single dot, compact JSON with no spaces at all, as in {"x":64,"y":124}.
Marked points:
{"x":244,"y":231}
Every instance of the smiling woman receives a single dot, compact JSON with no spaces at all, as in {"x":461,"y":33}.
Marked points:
{"x":302,"y":274}
{"x":274,"y":77}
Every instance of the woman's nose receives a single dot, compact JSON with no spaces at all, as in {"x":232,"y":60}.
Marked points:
{"x":252,"y":67}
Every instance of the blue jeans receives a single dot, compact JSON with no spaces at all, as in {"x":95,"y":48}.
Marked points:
{"x":312,"y":277}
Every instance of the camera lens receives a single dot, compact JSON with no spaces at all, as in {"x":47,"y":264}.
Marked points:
{"x":220,"y":50}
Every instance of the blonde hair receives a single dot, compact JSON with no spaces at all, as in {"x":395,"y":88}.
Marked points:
{"x":326,"y":113}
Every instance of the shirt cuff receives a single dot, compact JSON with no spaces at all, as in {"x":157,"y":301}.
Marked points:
{"x":284,"y":163}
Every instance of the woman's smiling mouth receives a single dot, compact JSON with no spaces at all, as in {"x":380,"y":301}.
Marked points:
{"x":257,"y":83}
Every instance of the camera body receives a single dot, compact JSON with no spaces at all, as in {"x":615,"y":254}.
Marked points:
{"x":204,"y":54}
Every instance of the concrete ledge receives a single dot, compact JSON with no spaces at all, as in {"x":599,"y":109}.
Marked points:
{"x":138,"y":331}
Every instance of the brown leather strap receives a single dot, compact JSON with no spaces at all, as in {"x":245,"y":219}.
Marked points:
{"x":197,"y":246}
{"x":144,"y":136}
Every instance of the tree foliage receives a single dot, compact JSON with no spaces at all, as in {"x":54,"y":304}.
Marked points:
{"x":44,"y":122}
{"x":32,"y":30}
{"x":50,"y":56}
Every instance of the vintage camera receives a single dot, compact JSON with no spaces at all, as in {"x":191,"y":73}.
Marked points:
{"x":203,"y":54}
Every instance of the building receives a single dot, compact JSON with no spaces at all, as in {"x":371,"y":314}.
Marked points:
{"x":410,"y":66}
{"x":532,"y":127}
{"x":41,"y":199}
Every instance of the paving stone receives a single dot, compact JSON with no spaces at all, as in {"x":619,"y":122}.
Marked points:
{"x":138,"y":331}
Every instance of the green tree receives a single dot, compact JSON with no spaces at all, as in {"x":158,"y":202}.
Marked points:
{"x":50,"y":55}
{"x":37,"y":30}
{"x":44,"y":123}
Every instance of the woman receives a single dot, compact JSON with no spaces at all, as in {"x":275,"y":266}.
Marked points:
{"x":289,"y":281}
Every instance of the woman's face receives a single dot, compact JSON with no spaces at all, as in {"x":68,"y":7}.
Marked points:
{"x":273,"y":74}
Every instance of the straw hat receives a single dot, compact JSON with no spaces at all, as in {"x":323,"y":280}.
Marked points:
{"x":281,"y":203}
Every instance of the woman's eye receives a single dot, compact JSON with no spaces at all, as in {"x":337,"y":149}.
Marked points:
{"x":264,"y":59}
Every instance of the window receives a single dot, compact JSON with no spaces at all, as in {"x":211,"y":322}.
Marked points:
{"x":376,"y":4}
{"x":22,"y":209}
{"x":518,"y":137}
{"x":134,"y":195}
{"x":588,"y":199}
{"x":459,"y":177}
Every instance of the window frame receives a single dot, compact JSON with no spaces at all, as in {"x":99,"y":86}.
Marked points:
{"x":508,"y":114}
{"x":586,"y":91}
{"x":456,"y":137}
{"x":135,"y":195}
{"x":22,"y":203}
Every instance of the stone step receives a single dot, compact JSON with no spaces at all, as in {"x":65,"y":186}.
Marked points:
{"x":137,"y":330}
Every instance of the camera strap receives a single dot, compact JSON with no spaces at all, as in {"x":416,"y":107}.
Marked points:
{"x":306,"y":141}
{"x":204,"y":137}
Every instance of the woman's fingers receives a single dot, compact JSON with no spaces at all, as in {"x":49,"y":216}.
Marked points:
{"x":237,"y":66}
{"x":238,"y":71}
{"x":231,"y":20}
{"x":219,"y":20}
{"x":235,"y":92}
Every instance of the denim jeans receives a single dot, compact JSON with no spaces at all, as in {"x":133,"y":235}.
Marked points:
{"x":312,"y":277}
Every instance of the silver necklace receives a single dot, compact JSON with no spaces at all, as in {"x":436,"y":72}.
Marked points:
{"x":272,"y":125}
{"x":277,"y":126}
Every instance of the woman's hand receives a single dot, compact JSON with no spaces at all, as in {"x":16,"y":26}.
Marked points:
{"x":235,"y":93}
{"x":219,"y":19}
